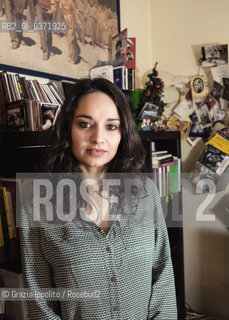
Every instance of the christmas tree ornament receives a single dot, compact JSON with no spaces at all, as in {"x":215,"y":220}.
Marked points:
{"x":153,"y":91}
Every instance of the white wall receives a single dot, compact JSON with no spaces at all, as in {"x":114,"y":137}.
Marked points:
{"x":172,"y":32}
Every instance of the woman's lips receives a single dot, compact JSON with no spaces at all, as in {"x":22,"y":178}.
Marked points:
{"x":96,"y":152}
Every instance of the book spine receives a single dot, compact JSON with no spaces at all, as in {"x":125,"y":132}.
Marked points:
{"x":26,"y":87}
{"x":20,"y":88}
{"x":31,"y":89}
{"x":9,"y":213}
{"x":62,"y":95}
{"x":166,"y":164}
{"x":50,"y":94}
{"x":11,"y":86}
{"x":46,"y":98}
{"x":36,"y":84}
{"x":1,"y":233}
{"x":3,"y":217}
{"x":160,"y":182}
{"x":179,"y":174}
{"x":174,"y":181}
{"x":161,"y":161}
{"x":3,"y":101}
{"x":16,"y":88}
{"x":37,"y":98}
{"x":2,"y":76}
{"x":56,"y":93}
{"x":7,"y":87}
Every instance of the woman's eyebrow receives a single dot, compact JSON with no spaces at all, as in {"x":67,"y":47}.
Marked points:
{"x":113,"y":119}
{"x":91,"y":118}
{"x":83,"y":116}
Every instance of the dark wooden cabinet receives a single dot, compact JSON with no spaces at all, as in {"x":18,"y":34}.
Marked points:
{"x":170,"y":141}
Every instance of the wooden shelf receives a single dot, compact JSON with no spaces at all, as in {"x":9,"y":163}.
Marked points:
{"x":22,"y":139}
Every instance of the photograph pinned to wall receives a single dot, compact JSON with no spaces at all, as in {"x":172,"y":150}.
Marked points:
{"x":198,"y":86}
{"x":214,"y":55}
{"x":224,"y":104}
{"x":175,"y":124}
{"x":197,"y":131}
{"x":217,"y":90}
{"x":78,"y":38}
{"x":193,"y":117}
{"x":196,"y":102}
{"x":148,"y":115}
{"x":184,"y":107}
{"x":218,"y":113}
{"x":209,"y":101}
{"x":204,"y":117}
{"x":213,"y":158}
{"x":226,"y":89}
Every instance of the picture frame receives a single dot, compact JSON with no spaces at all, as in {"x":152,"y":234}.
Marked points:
{"x":198,"y":86}
{"x":67,"y":59}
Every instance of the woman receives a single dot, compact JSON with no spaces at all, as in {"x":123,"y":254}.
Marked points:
{"x":118,"y":251}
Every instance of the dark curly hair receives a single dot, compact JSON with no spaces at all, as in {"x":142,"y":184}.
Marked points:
{"x":130,"y":156}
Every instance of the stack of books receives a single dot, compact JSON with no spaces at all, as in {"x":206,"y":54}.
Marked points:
{"x":166,"y":172}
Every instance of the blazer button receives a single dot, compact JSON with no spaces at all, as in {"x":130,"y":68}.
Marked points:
{"x":116,"y":308}
{"x":113,"y":279}
{"x":64,"y":236}
{"x":108,"y":249}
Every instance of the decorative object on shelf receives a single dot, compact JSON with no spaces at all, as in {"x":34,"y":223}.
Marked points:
{"x":123,"y":50}
{"x":154,"y":91}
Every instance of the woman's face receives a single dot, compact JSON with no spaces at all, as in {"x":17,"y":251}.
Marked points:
{"x":95,"y":131}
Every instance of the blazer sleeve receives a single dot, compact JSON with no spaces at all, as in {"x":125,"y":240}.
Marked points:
{"x":36,"y":271}
{"x":162,"y":303}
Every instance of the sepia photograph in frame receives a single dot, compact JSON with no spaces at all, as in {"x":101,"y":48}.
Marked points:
{"x":60,"y":39}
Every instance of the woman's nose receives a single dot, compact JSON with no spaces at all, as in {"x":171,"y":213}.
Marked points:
{"x":97,"y":135}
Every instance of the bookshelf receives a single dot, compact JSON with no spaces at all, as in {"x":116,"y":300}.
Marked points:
{"x":170,"y":141}
{"x":20,"y":152}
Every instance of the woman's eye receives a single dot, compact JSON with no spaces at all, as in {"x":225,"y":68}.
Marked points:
{"x":85,"y":124}
{"x":111,"y":127}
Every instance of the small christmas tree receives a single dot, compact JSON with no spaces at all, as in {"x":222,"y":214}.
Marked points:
{"x":153,"y":91}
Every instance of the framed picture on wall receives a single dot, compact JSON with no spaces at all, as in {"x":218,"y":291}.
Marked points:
{"x":57,"y":39}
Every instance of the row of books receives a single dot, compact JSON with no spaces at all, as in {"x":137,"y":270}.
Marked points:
{"x":166,"y":173}
{"x":31,"y":115}
{"x":16,"y":87}
{"x":122,"y":76}
{"x":214,"y":159}
{"x":7,"y":211}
